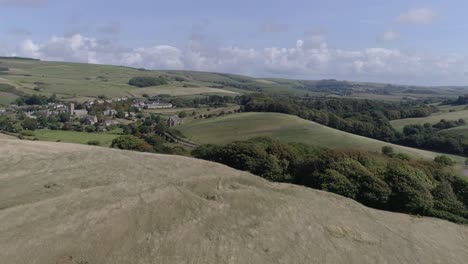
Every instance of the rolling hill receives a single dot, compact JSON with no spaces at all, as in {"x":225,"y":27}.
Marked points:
{"x":80,"y":204}
{"x":288,"y":128}
{"x":79,"y":82}
{"x":432,"y":119}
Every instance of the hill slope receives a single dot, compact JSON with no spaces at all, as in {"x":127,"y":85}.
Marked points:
{"x":432,"y":119}
{"x":288,"y":128}
{"x":64,"y":203}
{"x":79,"y":81}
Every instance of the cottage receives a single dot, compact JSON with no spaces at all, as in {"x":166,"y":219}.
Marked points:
{"x":110,"y":112}
{"x":173,"y":121}
{"x":159,"y":106}
{"x":31,"y":115}
{"x":80,"y":113}
{"x":90,"y":120}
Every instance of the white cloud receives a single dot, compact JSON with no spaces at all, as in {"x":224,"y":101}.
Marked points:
{"x":310,"y":58}
{"x":419,"y":16}
{"x":389,"y":35}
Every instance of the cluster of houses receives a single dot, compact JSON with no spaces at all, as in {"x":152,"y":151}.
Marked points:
{"x":143,"y":104}
{"x":87,"y":118}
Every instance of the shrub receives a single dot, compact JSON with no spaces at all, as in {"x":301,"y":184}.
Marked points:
{"x":131,"y":143}
{"x":146,"y":81}
{"x":402,"y":156}
{"x":387,"y":151}
{"x":444,"y":160}
{"x":94,"y":143}
{"x":28,"y":133}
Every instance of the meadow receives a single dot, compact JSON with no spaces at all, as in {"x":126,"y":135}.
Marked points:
{"x":287,"y":128}
{"x":76,"y":81}
{"x":105,"y":139}
{"x":432,"y":119}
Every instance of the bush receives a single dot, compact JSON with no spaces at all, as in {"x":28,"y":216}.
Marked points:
{"x":402,"y":156}
{"x":94,"y":143}
{"x":28,"y":133}
{"x":29,"y":124}
{"x":131,"y":143}
{"x":146,"y":81}
{"x":387,"y":151}
{"x":444,"y":160}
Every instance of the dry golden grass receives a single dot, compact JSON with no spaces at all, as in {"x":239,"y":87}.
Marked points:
{"x":65,"y":203}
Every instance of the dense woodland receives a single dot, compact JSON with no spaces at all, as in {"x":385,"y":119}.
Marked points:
{"x":389,"y":181}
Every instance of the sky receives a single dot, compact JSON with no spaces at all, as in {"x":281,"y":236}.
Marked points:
{"x":409,"y":42}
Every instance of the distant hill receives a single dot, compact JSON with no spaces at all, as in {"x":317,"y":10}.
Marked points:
{"x":68,"y":204}
{"x":78,"y":81}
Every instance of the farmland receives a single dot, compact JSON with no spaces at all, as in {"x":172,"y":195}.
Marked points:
{"x":105,"y":139}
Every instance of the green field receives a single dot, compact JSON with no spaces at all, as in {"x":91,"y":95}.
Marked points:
{"x":77,"y":81}
{"x":288,"y":128}
{"x":432,"y":119}
{"x":75,"y":137}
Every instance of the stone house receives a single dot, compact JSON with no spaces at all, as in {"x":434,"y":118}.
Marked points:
{"x":90,"y":120}
{"x":173,"y":121}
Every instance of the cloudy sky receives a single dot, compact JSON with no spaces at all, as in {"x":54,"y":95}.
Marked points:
{"x":413,"y":42}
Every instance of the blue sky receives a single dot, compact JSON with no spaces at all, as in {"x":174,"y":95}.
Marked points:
{"x":415,"y":42}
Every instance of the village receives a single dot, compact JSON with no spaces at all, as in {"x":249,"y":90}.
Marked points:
{"x":95,"y":116}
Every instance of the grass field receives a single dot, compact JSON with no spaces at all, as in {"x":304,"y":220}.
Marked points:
{"x":456,"y":131}
{"x":77,"y":81}
{"x":432,"y":119}
{"x":75,"y":137}
{"x":288,"y":128}
{"x":70,"y":204}
{"x":7,"y":98}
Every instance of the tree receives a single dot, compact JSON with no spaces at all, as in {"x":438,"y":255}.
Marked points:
{"x":410,"y":189}
{"x":182,"y":114}
{"x":146,"y":81}
{"x":131,"y":143}
{"x":29,"y":124}
{"x":387,"y":151}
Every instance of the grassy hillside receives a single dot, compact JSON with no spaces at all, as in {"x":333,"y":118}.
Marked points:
{"x":65,"y":203}
{"x":287,"y":128}
{"x":77,"y":81}
{"x":432,"y":119}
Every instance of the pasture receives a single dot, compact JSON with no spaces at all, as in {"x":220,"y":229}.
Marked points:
{"x":432,"y":119}
{"x":105,"y":139}
{"x":288,"y":128}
